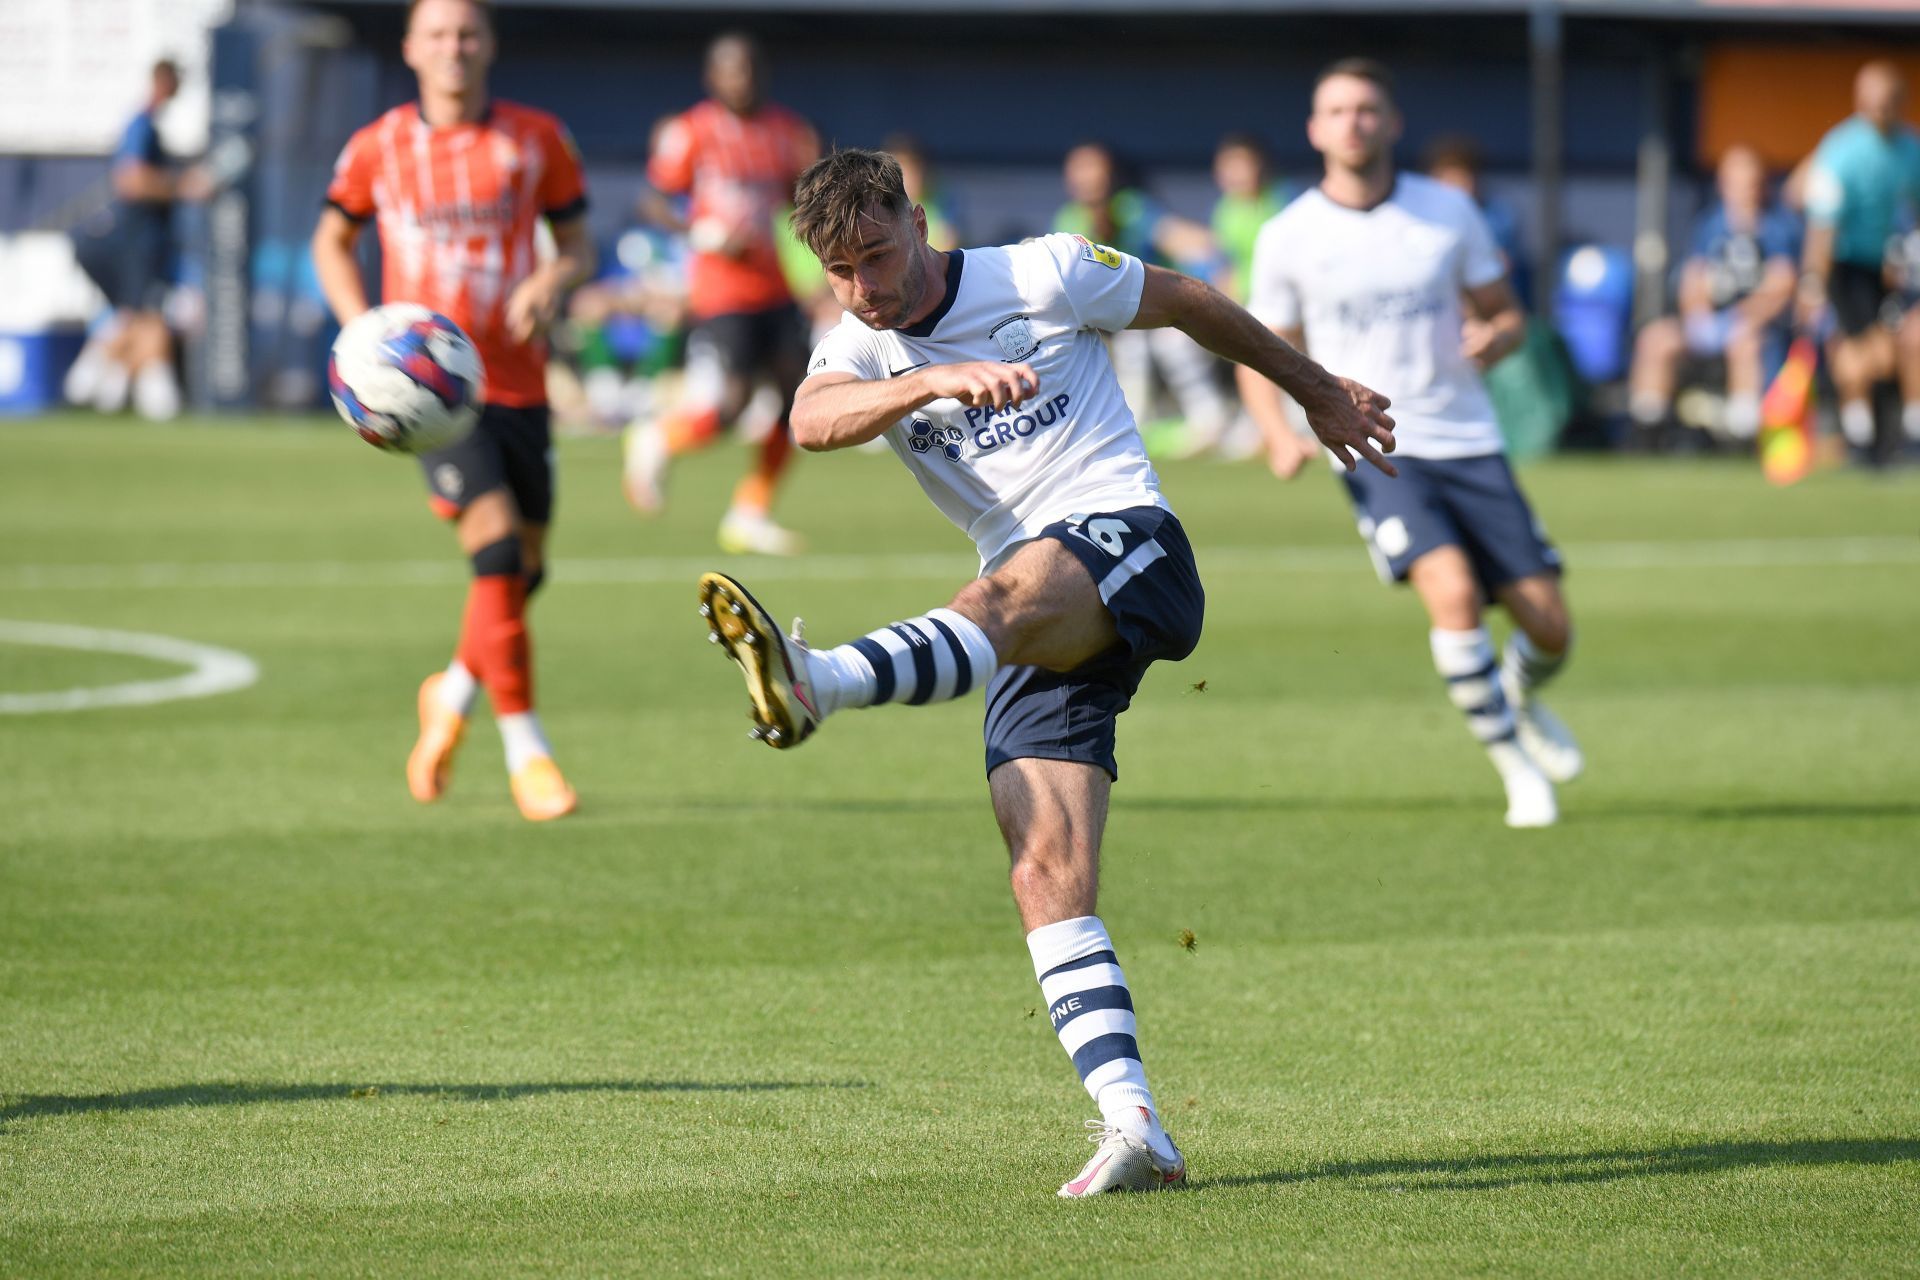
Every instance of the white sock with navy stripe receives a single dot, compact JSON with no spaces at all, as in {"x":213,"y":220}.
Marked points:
{"x":1092,"y":1013}
{"x":1525,"y":666}
{"x":934,"y":658}
{"x":1466,"y":660}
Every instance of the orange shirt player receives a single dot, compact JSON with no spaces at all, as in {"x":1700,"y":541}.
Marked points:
{"x":736,"y":155}
{"x":455,"y":184}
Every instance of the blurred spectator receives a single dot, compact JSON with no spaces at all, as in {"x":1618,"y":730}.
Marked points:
{"x":1457,"y":160}
{"x":1863,"y":174}
{"x":1103,"y":209}
{"x":1736,"y":286}
{"x":132,"y":350}
{"x":1249,"y":195}
{"x":924,"y":189}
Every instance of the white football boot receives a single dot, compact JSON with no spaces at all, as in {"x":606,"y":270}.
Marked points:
{"x":644,"y":467}
{"x":1530,"y":799}
{"x":753,"y":533}
{"x":1543,"y":735}
{"x":1123,"y":1161}
{"x":785,"y":711}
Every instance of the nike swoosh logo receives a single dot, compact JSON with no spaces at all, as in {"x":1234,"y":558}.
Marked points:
{"x":894,"y":373}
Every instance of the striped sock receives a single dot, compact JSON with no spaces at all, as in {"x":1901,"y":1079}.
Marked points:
{"x":1525,"y":666}
{"x":933,"y":658}
{"x":1465,"y":659}
{"x":1092,"y":1012}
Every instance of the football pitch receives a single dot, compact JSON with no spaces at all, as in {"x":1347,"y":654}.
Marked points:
{"x":758,"y":1013}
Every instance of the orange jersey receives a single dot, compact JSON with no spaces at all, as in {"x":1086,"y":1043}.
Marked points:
{"x":740,"y":171}
{"x":456,"y":209}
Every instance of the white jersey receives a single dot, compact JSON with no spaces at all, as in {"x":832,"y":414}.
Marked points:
{"x":1003,"y":476}
{"x":1377,"y":293}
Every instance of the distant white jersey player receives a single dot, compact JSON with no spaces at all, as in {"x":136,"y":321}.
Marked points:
{"x":1369,"y":271}
{"x":987,"y":372}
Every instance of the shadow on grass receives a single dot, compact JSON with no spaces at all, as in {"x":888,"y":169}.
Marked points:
{"x":1495,"y":1172}
{"x":234,"y":1093}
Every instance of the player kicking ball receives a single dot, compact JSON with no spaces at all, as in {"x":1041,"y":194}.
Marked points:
{"x":986,"y":372}
{"x":455,"y":184}
{"x":1367,"y":271}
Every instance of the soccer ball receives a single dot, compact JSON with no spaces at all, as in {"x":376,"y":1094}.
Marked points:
{"x":405,"y":378}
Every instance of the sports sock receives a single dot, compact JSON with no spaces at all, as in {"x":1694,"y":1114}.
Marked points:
{"x":933,"y":658}
{"x":493,"y":641}
{"x":1743,"y":415}
{"x":1526,"y":666}
{"x":521,"y":736}
{"x":1647,"y":408}
{"x":1910,"y":419}
{"x":1092,"y":1013}
{"x":457,"y":688}
{"x":1465,"y":659}
{"x":1856,"y":423}
{"x":755,"y":492}
{"x":691,"y":429}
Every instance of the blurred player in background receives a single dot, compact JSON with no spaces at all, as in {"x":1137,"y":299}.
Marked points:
{"x":456,"y":183}
{"x":1369,"y":270}
{"x":737,"y":154}
{"x":1865,"y":172}
{"x":132,"y":350}
{"x":1736,"y":287}
{"x":1457,"y":160}
{"x":1249,"y":195}
{"x":986,"y":372}
{"x":1107,"y":211}
{"x":924,"y":189}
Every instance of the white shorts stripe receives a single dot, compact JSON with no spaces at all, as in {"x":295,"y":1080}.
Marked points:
{"x":1129,"y":569}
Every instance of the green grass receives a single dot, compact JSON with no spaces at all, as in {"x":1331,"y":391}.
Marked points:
{"x":760,"y":1014}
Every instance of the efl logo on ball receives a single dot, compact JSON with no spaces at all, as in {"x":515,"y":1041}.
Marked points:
{"x":406,"y":378}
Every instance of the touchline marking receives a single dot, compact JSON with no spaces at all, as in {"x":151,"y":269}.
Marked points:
{"x":1726,"y":553}
{"x":214,"y":670}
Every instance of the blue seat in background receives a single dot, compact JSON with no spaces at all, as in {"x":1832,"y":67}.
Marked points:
{"x":1593,"y":306}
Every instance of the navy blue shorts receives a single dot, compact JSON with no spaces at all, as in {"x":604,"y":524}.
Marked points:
{"x":510,"y":448}
{"x":1144,"y":568}
{"x":1471,"y":503}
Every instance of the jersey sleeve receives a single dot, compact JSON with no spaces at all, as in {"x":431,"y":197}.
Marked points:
{"x":563,"y":183}
{"x":671,"y":166}
{"x":139,"y":143}
{"x":1825,"y":191}
{"x":844,"y":350}
{"x":1101,"y":285}
{"x":1481,"y":262}
{"x":351,"y":191}
{"x":1271,"y":296}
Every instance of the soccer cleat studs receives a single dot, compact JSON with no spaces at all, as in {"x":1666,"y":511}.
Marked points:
{"x":713,"y":637}
{"x":706,"y":610}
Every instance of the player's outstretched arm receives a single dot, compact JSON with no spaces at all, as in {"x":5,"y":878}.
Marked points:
{"x":1351,"y":420}
{"x":837,"y":410}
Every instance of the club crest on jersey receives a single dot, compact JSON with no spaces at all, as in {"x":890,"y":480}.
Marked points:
{"x":923,"y":437}
{"x":1015,"y":336}
{"x":1091,"y":252}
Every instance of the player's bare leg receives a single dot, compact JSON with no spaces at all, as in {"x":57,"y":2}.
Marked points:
{"x":1053,"y":814}
{"x":748,"y":527}
{"x":1464,"y":656}
{"x":1657,"y":352}
{"x":1536,"y":652}
{"x":1907,"y":343}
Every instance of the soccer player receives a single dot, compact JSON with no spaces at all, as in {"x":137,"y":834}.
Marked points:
{"x":986,"y":372}
{"x":1865,"y":172}
{"x":457,"y":182}
{"x":1369,"y":270}
{"x":737,"y":154}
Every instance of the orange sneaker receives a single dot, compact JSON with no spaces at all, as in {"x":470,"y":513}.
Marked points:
{"x":430,"y":766}
{"x":541,"y":792}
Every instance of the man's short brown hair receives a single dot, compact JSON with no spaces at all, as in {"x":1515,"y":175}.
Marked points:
{"x":1372,"y":70}
{"x":837,"y":189}
{"x":484,"y":6}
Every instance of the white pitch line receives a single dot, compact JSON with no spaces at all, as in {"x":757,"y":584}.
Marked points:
{"x":1728,"y":553}
{"x":213,"y":670}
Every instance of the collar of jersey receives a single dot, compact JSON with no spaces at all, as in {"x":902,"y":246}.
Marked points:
{"x":956,"y":263}
{"x":1393,"y":189}
{"x":486,"y":117}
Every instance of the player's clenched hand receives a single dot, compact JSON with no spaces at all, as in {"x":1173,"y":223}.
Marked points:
{"x":531,"y":306}
{"x":1352,"y":420}
{"x":983,"y":383}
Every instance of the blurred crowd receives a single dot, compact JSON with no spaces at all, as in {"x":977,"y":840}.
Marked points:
{"x":1829,"y":252}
